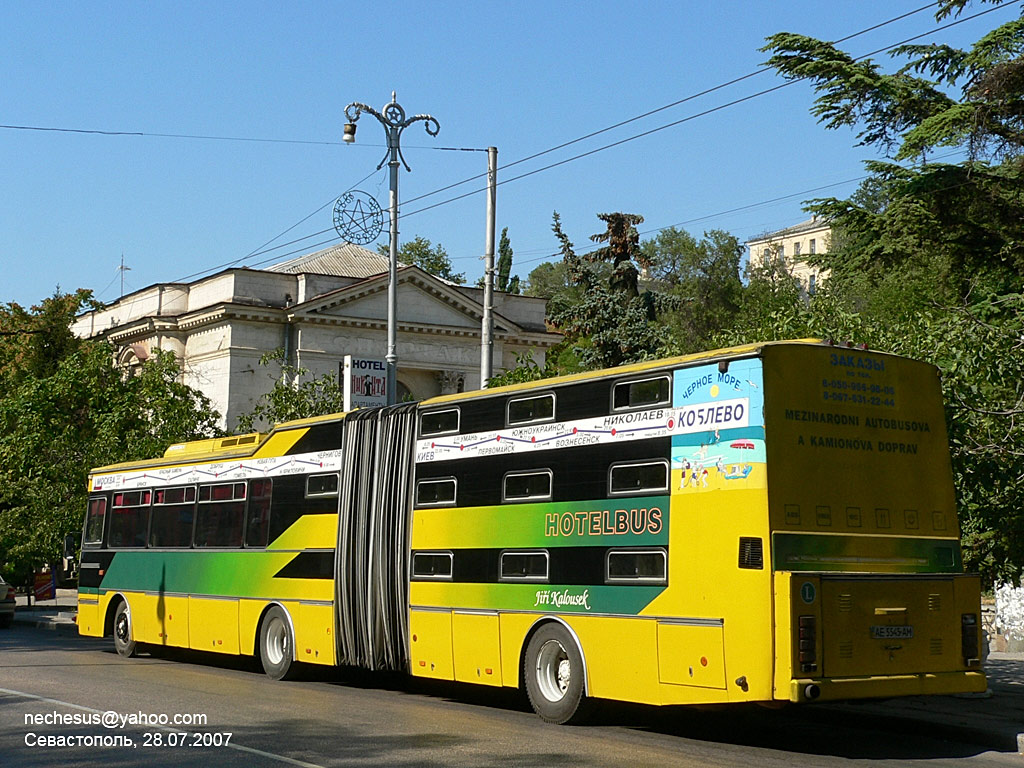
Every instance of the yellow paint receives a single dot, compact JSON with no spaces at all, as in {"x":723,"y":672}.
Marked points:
{"x":691,"y":655}
{"x":314,"y":638}
{"x":160,"y":619}
{"x":309,"y":532}
{"x":89,"y":621}
{"x":213,"y":624}
{"x":431,"y":647}
{"x":476,"y":648}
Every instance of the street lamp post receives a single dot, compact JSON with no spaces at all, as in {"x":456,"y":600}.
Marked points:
{"x":394,"y":121}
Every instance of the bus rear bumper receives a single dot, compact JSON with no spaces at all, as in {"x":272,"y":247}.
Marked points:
{"x":886,"y":686}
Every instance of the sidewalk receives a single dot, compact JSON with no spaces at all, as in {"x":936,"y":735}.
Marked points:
{"x":994,"y":719}
{"x":57,"y":615}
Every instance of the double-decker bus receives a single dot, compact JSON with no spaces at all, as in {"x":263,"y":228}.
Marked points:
{"x":767,"y":523}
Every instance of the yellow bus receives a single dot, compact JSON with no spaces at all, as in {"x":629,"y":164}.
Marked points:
{"x":767,"y":523}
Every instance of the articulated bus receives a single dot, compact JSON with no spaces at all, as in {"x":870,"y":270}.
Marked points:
{"x":767,"y":523}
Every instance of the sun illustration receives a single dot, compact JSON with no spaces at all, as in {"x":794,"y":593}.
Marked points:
{"x":714,"y":390}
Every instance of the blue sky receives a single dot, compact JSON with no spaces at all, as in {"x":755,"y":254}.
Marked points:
{"x":522,"y":76}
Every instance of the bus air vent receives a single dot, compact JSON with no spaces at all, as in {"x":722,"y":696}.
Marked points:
{"x":935,"y":646}
{"x":934,"y":602}
{"x":846,"y":649}
{"x":845,"y":601}
{"x":751,"y":553}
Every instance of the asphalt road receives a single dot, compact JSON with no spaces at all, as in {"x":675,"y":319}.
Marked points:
{"x":354,"y":719}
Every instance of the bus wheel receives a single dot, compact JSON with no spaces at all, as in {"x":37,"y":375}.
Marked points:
{"x":276,"y":644}
{"x":553,"y":671}
{"x":124,"y":643}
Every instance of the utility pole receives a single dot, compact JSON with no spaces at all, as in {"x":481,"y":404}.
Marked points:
{"x":487,"y":331}
{"x":392,"y":118}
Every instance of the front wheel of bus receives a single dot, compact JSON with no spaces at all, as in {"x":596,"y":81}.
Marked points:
{"x":124,"y":642}
{"x":276,"y":644}
{"x":553,"y":671}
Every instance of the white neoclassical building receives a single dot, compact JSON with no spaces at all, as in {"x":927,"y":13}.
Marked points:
{"x":317,"y":308}
{"x":793,"y":246}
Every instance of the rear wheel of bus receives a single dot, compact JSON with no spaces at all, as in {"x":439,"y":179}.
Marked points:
{"x":276,"y":644}
{"x":553,"y":671}
{"x":124,"y":641}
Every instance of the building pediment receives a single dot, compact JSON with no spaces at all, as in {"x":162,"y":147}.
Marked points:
{"x":423,"y":300}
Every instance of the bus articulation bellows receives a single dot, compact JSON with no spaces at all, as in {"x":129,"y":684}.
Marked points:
{"x":768,"y":523}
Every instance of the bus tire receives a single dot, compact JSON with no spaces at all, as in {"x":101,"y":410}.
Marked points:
{"x":553,"y":671}
{"x":124,"y":639}
{"x":276,"y":644}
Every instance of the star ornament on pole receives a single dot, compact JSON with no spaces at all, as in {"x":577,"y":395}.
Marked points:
{"x":392,"y":118}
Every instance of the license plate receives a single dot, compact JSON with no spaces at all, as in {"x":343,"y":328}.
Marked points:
{"x":889,"y":632}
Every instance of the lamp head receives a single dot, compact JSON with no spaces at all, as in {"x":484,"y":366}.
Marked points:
{"x":349,"y":136}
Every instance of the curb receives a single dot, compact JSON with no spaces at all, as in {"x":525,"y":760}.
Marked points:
{"x":61,"y":627}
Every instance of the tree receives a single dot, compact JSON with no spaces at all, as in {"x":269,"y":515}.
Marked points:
{"x":428,"y":257}
{"x":505,"y":282}
{"x":292,"y":397}
{"x":703,"y":275}
{"x":64,"y":408}
{"x":927,"y":260}
{"x":612,"y":322}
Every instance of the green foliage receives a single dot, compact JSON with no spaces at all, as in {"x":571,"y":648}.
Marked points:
{"x":292,"y":397}
{"x":428,"y":257}
{"x":506,"y":281}
{"x":609,"y":321}
{"x":65,"y":408}
{"x":928,"y":261}
{"x":704,"y":276}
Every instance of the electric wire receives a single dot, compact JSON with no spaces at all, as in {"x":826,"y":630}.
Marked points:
{"x":688,"y":118}
{"x":647,"y":114}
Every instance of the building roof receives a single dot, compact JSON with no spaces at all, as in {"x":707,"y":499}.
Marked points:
{"x":811,"y":225}
{"x":343,"y":260}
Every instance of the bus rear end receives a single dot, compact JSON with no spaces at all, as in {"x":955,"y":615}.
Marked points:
{"x":870,"y":598}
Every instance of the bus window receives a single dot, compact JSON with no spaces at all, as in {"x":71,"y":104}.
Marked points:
{"x":94,"y":522}
{"x":530,"y":410}
{"x":444,"y":422}
{"x":322,"y":485}
{"x":439,"y":492}
{"x":527,"y":486}
{"x":129,"y":519}
{"x":638,"y":477}
{"x":633,"y":565}
{"x":173,"y":510}
{"x":258,"y":516}
{"x":641,"y":393}
{"x":220,"y":515}
{"x":524,"y":566}
{"x":432,"y":565}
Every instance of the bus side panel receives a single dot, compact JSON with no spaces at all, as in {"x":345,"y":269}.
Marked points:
{"x":160,"y":619}
{"x":213,"y":624}
{"x":691,"y":655}
{"x":620,"y":657}
{"x":477,"y":648}
{"x":314,"y":641}
{"x":431,"y":647}
{"x":90,"y":621}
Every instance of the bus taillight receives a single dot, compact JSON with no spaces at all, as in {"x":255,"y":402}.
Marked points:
{"x":808,"y":644}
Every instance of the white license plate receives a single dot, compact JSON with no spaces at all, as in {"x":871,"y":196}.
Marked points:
{"x":888,"y":632}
